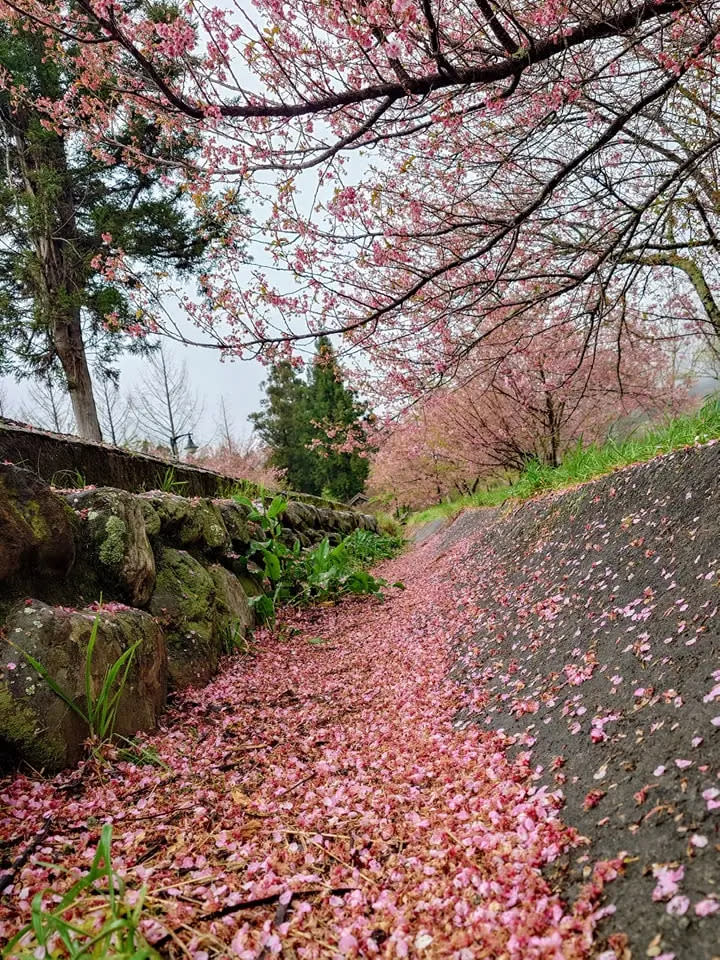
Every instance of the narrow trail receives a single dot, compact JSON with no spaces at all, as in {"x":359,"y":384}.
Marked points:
{"x":324,"y":777}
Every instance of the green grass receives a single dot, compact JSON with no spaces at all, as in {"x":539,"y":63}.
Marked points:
{"x":583,"y":463}
{"x":100,"y":709}
{"x":94,"y":920}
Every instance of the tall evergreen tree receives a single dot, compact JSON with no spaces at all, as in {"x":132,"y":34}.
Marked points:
{"x":306,"y":424}
{"x":57,"y":201}
{"x":284,"y":425}
{"x":338,"y":420}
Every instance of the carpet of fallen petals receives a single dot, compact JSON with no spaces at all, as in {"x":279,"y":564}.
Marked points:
{"x":324,"y":777}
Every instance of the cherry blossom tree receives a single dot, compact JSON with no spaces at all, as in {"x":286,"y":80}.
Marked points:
{"x":530,"y":404}
{"x":420,"y":173}
{"x":245,"y":458}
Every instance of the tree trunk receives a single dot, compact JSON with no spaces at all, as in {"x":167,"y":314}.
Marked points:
{"x":67,"y":336}
{"x":553,"y":430}
{"x":694,"y":273}
{"x":59,"y":285}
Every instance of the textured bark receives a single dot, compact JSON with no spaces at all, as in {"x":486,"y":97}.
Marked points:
{"x":59,"y":263}
{"x":697,"y":278}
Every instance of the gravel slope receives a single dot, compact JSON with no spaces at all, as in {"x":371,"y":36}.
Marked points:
{"x":597,"y":644}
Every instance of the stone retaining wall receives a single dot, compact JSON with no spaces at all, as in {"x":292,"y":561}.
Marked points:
{"x":59,"y":459}
{"x":172,"y":575}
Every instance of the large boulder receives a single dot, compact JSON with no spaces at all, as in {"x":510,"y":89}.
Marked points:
{"x":250,"y":583}
{"x":184,"y":603}
{"x":328,"y":520}
{"x":36,"y":724}
{"x":234,"y":517}
{"x":234,"y":618}
{"x":300,"y":516}
{"x":366,"y":521}
{"x":346,"y":521}
{"x":36,"y":534}
{"x":185,"y":522}
{"x":115,"y":545}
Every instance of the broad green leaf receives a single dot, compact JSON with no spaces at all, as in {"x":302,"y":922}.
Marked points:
{"x":273,"y":570}
{"x":277,"y":507}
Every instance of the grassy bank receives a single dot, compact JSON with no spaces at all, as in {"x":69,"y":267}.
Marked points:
{"x":583,"y":463}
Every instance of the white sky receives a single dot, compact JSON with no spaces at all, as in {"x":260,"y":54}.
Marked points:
{"x":237,"y":381}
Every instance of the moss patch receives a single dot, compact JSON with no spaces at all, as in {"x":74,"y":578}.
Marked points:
{"x":112,"y":548}
{"x":184,"y":602}
{"x":18,"y":723}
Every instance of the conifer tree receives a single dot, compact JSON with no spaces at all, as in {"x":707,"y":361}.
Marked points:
{"x":60,"y":207}
{"x":284,"y":426}
{"x":315,"y":428}
{"x":338,"y":425}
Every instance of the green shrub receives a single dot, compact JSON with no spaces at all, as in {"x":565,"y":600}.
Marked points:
{"x":364,"y":548}
{"x":297,"y":577}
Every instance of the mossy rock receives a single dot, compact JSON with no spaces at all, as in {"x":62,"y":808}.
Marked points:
{"x":366,"y":521}
{"x":153,"y":524}
{"x":327,"y":520}
{"x":234,"y":617}
{"x":184,"y":602}
{"x":300,"y":516}
{"x":346,"y":521}
{"x":36,"y":725}
{"x":187,"y":522}
{"x":36,"y":528}
{"x":251,"y":585}
{"x":114,"y":546}
{"x":234,"y":517}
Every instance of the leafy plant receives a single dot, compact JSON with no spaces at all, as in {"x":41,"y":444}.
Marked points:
{"x":169,"y":484}
{"x":233,"y":638}
{"x":69,"y":479}
{"x":139,"y":754}
{"x":100,"y":711}
{"x":94,"y":918}
{"x":298,"y":577}
{"x":363,"y":548}
{"x":241,"y":489}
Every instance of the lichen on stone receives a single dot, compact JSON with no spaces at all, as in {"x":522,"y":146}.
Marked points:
{"x":112,"y":548}
{"x":18,"y":722}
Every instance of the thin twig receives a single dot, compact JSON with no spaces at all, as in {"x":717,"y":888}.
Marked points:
{"x":261,"y":902}
{"x":299,"y":783}
{"x":8,"y":878}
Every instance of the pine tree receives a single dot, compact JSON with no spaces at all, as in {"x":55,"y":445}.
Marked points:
{"x":56,"y":202}
{"x":337,"y":419}
{"x":284,"y":426}
{"x":304,"y":423}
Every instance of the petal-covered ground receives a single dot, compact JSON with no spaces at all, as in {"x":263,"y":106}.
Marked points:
{"x":597,"y":642}
{"x":388,"y":779}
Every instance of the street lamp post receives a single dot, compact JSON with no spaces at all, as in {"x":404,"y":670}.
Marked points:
{"x":190,"y":446}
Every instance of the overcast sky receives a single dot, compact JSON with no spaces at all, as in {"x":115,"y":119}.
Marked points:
{"x":237,"y":381}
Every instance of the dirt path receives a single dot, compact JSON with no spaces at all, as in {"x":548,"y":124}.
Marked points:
{"x":324,"y":778}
